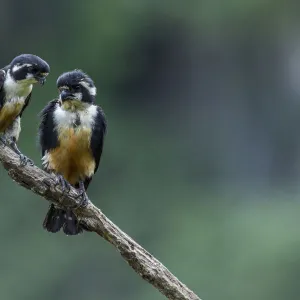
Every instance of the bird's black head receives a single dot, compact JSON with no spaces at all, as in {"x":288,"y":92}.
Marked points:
{"x":29,"y":68}
{"x":76,"y":85}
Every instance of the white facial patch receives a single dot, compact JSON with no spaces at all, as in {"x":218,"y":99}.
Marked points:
{"x":78,"y":96}
{"x":30,"y":79}
{"x":19,"y":66}
{"x":92,"y":90}
{"x":29,"y":76}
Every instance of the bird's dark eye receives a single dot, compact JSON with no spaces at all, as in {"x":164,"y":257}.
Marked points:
{"x":76,"y":87}
{"x":32,"y":69}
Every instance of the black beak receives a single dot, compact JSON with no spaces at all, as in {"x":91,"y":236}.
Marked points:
{"x":66,"y":95}
{"x":41,"y":80}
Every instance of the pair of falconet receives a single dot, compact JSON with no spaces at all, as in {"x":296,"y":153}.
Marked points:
{"x":71,"y":131}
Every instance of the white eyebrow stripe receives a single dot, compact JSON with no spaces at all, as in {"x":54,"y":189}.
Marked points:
{"x":92,"y":90}
{"x":19,"y":66}
{"x":64,"y":87}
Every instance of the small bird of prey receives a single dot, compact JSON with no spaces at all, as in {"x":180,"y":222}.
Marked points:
{"x":71,"y":136}
{"x":16,"y":82}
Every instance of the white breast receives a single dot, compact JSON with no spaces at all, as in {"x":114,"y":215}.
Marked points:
{"x":16,"y":90}
{"x":68,"y":119}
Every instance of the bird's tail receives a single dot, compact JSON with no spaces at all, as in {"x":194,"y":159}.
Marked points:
{"x":58,"y":218}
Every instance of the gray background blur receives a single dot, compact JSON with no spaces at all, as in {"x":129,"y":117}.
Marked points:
{"x":201,"y":163}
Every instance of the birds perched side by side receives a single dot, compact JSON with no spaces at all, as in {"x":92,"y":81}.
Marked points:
{"x":16,"y":82}
{"x":71,"y":136}
{"x":71,"y":131}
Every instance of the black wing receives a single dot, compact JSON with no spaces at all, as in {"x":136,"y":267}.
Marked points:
{"x":97,"y":140}
{"x":47,"y":133}
{"x":27,"y":100}
{"x":2,"y":79}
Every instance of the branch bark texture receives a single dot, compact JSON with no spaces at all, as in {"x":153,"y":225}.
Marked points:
{"x":143,"y":263}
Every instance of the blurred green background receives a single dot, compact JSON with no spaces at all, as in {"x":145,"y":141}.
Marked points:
{"x":201,"y":162}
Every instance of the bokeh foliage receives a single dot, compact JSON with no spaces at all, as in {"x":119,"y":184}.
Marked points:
{"x":201,"y":161}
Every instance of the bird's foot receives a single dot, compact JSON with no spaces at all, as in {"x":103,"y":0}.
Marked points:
{"x":65,"y":185}
{"x":84,"y":199}
{"x":83,"y":195}
{"x":4,"y":140}
{"x":24,"y":160}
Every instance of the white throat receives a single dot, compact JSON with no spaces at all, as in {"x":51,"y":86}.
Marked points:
{"x":16,"y":89}
{"x":66,"y":118}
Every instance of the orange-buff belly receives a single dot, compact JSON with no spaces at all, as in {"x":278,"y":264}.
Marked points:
{"x":73,"y":158}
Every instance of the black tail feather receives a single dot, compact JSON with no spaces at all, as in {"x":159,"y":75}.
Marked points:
{"x":54,"y":219}
{"x":71,"y":224}
{"x":58,"y":218}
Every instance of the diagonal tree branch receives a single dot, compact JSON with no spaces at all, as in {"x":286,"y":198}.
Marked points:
{"x":143,"y":263}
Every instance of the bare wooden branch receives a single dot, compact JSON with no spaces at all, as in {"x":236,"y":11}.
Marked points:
{"x":147,"y":266}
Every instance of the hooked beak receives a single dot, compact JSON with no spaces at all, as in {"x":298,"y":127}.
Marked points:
{"x":66,"y":95}
{"x":41,"y":78}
